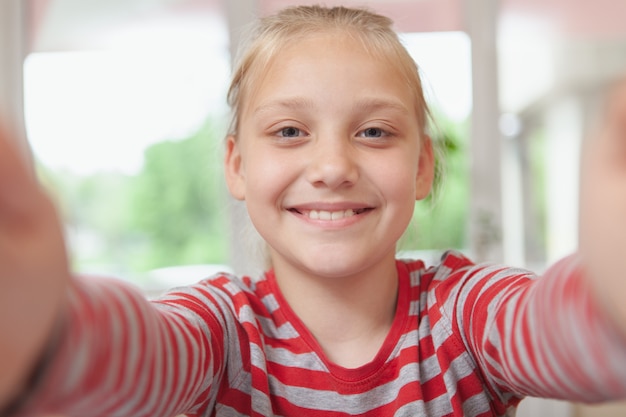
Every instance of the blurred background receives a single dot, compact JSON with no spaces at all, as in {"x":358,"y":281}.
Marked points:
{"x":121,"y":105}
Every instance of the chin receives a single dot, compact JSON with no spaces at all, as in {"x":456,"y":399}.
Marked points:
{"x":333,"y":268}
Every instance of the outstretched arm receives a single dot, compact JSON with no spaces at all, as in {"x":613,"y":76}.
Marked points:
{"x":90,"y":346}
{"x":567,"y":331}
{"x":562,"y":335}
{"x":33,"y":270}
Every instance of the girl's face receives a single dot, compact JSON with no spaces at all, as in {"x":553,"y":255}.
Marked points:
{"x":329,"y":158}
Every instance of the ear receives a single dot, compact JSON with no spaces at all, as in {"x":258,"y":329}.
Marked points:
{"x":233,"y":169}
{"x":426,"y":169}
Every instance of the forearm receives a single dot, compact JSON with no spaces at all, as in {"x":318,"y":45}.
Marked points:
{"x":556,"y":341}
{"x":122,"y":356}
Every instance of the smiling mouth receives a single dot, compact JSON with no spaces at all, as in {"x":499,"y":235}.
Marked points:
{"x":329,"y":215}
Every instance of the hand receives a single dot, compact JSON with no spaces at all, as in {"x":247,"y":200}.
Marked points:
{"x":603,"y":208}
{"x":33,"y":269}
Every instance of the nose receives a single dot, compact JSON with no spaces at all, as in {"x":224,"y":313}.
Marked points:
{"x":333,"y":163}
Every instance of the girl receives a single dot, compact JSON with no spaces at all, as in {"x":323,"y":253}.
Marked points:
{"x":329,"y":152}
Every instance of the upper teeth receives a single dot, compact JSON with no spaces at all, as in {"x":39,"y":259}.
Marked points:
{"x":330,"y":215}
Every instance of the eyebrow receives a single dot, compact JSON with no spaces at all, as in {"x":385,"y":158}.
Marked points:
{"x":367,"y":104}
{"x":377,"y":103}
{"x":292,"y":103}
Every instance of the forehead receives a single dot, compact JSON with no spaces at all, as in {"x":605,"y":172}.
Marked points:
{"x":337,"y":61}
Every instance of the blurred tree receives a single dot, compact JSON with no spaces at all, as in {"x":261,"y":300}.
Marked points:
{"x":178,"y":202}
{"x":97,"y":217}
{"x":171,"y":213}
{"x":440,"y":221}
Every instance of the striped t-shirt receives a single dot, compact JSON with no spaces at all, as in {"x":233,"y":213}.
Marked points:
{"x":466,"y":340}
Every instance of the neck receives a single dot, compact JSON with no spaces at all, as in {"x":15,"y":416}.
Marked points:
{"x":349,"y":316}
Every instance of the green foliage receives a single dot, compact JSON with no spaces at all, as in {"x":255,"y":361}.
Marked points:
{"x":96,"y":214}
{"x":440,"y":221}
{"x":178,"y":203}
{"x":171,"y":213}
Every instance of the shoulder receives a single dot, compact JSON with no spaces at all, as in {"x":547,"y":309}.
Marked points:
{"x":448,"y":263}
{"x":461,"y":292}
{"x":455,"y":268}
{"x":221,"y":295}
{"x":456,"y":278}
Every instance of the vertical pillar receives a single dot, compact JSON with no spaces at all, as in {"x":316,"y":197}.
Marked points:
{"x":241,"y":14}
{"x":12,"y":53}
{"x":485,"y":228}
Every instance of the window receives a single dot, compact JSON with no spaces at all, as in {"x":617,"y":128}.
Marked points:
{"x":125,"y":111}
{"x":440,"y":222}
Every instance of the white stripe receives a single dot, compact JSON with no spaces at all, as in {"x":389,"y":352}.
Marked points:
{"x":352,"y":404}
{"x":270,"y":302}
{"x":309,"y":360}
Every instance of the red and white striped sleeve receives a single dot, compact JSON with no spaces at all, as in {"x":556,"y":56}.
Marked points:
{"x":121,"y":355}
{"x":539,"y":336}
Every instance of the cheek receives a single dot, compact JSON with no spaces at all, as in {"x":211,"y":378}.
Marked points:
{"x":266,"y":178}
{"x":398,"y":175}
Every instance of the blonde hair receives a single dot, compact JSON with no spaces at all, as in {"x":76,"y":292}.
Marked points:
{"x":272,"y":33}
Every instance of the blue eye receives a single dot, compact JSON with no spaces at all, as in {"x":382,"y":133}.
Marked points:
{"x":289,"y":132}
{"x":373,"y":132}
